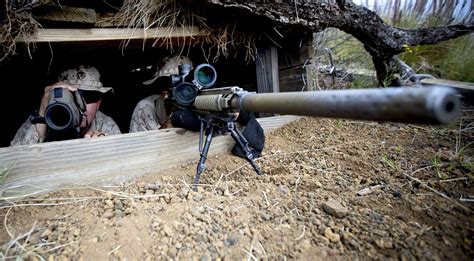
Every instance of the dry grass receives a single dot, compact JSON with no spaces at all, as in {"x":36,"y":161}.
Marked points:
{"x":219,"y":41}
{"x":18,"y":26}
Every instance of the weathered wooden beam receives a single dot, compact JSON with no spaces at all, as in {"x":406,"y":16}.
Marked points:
{"x":461,"y":86}
{"x":67,"y":14}
{"x":106,"y":160}
{"x":267,"y":70}
{"x":104,"y":34}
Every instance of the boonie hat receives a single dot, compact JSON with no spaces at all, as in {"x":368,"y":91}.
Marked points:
{"x":85,"y":78}
{"x":169,"y":66}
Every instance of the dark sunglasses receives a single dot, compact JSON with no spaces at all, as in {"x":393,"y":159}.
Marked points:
{"x":90,"y":96}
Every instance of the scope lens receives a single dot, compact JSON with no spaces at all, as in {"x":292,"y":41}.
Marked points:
{"x":58,"y":117}
{"x":185,"y":93}
{"x":205,"y":75}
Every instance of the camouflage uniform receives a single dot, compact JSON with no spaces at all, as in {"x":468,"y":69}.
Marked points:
{"x":27,"y":133}
{"x":86,"y":78}
{"x":149,"y":114}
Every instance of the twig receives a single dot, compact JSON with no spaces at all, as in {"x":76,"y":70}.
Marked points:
{"x":217,"y":184}
{"x":50,"y":204}
{"x":206,"y":206}
{"x":233,"y":193}
{"x":150,"y":196}
{"x":266,"y":199}
{"x":466,"y":199}
{"x":448,"y":180}
{"x":296,"y":184}
{"x":302,"y":234}
{"x":437,"y":192}
{"x":60,"y":246}
{"x":115,"y":249}
{"x":249,"y":254}
{"x":14,"y":240}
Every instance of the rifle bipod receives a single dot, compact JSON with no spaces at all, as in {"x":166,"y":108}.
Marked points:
{"x":225,"y":125}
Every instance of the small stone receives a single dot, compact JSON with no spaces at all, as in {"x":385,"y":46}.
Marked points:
{"x":231,"y":241}
{"x":265,"y":216}
{"x":109,"y":213}
{"x":383,"y":244}
{"x":334,"y":238}
{"x":183,"y":193}
{"x":397,"y":194}
{"x":153,"y":187}
{"x":283,"y":189}
{"x":335,"y":208}
{"x":198,"y":197}
{"x":46,"y":233}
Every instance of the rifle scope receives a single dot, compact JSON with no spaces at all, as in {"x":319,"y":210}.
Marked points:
{"x":191,"y":82}
{"x":62,"y":112}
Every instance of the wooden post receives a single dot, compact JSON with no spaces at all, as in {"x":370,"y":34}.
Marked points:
{"x":296,"y":68}
{"x":267,"y":72}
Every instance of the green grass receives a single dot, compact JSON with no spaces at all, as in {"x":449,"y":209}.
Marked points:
{"x":4,"y":171}
{"x":452,"y":59}
{"x":385,"y":159}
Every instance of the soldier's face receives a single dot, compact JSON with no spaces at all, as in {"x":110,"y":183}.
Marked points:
{"x":91,"y":110}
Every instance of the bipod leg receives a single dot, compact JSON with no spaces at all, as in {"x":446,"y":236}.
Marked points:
{"x":244,"y":145}
{"x":203,"y":151}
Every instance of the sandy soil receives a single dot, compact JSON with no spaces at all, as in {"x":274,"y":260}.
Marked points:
{"x":332,"y":189}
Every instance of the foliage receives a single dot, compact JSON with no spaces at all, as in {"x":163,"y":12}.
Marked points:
{"x":453,"y":59}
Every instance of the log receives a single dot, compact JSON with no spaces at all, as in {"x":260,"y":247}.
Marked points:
{"x":106,"y":160}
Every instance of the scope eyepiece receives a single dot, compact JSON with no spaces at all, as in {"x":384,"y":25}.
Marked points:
{"x":185,"y":93}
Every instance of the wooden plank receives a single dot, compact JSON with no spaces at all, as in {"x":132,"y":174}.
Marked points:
{"x":110,"y":20}
{"x":465,"y":86}
{"x":106,"y":160}
{"x":291,"y":79}
{"x":299,"y":61}
{"x":104,"y":34}
{"x":67,"y":14}
{"x":267,"y":70}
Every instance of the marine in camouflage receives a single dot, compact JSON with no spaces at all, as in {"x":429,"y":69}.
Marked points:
{"x":149,"y":114}
{"x":27,"y":133}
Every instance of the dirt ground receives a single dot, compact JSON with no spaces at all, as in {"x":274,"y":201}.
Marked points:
{"x":332,"y":189}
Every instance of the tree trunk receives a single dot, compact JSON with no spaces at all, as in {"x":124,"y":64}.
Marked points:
{"x":381,"y":40}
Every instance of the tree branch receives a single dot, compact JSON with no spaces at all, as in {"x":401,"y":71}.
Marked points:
{"x":381,"y":40}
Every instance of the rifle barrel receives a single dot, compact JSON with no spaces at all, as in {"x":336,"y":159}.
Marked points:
{"x":425,"y":105}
